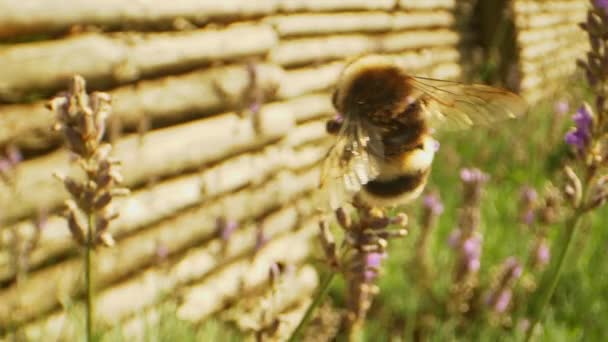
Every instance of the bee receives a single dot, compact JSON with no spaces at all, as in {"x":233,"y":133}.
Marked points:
{"x":384,"y":146}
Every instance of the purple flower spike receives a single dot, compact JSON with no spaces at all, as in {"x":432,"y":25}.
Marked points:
{"x":473,"y":176}
{"x":580,"y":136}
{"x":529,"y":194}
{"x":373,"y":260}
{"x":543,"y":254}
{"x":454,"y":238}
{"x":603,"y":4}
{"x":433,"y":203}
{"x":503,"y":300}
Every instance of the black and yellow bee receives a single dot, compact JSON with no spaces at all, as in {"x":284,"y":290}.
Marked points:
{"x":384,"y":146}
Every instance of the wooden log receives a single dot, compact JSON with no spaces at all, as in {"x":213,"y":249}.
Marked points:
{"x":114,"y":59}
{"x":422,"y":19}
{"x":528,"y":37}
{"x":311,"y":50}
{"x":356,"y":22}
{"x":320,"y":24}
{"x":532,"y":7}
{"x":426,"y":4}
{"x":550,"y":47}
{"x":533,"y":80}
{"x":45,"y":289}
{"x":163,"y":100}
{"x":334,"y":5}
{"x":151,"y":205}
{"x":528,"y":66}
{"x":30,"y":16}
{"x":539,"y":20}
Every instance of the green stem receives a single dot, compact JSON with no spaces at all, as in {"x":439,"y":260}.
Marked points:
{"x":88,"y":280}
{"x":323,"y":289}
{"x":552,"y":278}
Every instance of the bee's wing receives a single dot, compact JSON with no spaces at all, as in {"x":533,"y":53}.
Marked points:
{"x":350,"y":163}
{"x":452,"y":105}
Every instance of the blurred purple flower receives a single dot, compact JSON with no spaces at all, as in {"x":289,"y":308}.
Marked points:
{"x":561,"y":107}
{"x":580,"y":136}
{"x":603,"y":4}
{"x":473,"y":175}
{"x":374,"y":259}
{"x":454,"y":238}
{"x":471,"y":248}
{"x":513,"y":267}
{"x":529,"y":194}
{"x":503,"y":300}
{"x":543,"y":254}
{"x":433,"y":203}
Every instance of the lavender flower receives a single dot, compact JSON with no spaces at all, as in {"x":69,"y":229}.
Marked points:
{"x":580,"y":136}
{"x":602,"y":4}
{"x":432,"y":202}
{"x":499,"y":297}
{"x":466,"y":241}
{"x":527,"y":205}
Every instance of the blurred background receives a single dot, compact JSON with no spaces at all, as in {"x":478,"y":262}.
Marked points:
{"x":218,"y":118}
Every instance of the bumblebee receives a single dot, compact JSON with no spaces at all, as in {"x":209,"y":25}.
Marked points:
{"x":384,"y":146}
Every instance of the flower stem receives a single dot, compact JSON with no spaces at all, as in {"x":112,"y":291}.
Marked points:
{"x":88,"y":280}
{"x":553,"y":277}
{"x":323,"y":289}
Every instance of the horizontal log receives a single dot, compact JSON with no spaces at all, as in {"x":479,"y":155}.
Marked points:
{"x":564,"y":56}
{"x":533,"y":80}
{"x":334,"y":5}
{"x":319,"y":24}
{"x":427,"y":4}
{"x":312,"y":50}
{"x":30,"y":16}
{"x":418,"y":19}
{"x":120,"y":58}
{"x":46,"y":288}
{"x":535,"y":7}
{"x":200,"y":300}
{"x":549,"y":19}
{"x":167,"y":99}
{"x":528,"y":37}
{"x":550,"y":47}
{"x":356,"y":22}
{"x":165,"y":199}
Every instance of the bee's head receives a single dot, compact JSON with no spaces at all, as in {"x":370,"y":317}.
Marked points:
{"x":371,"y":85}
